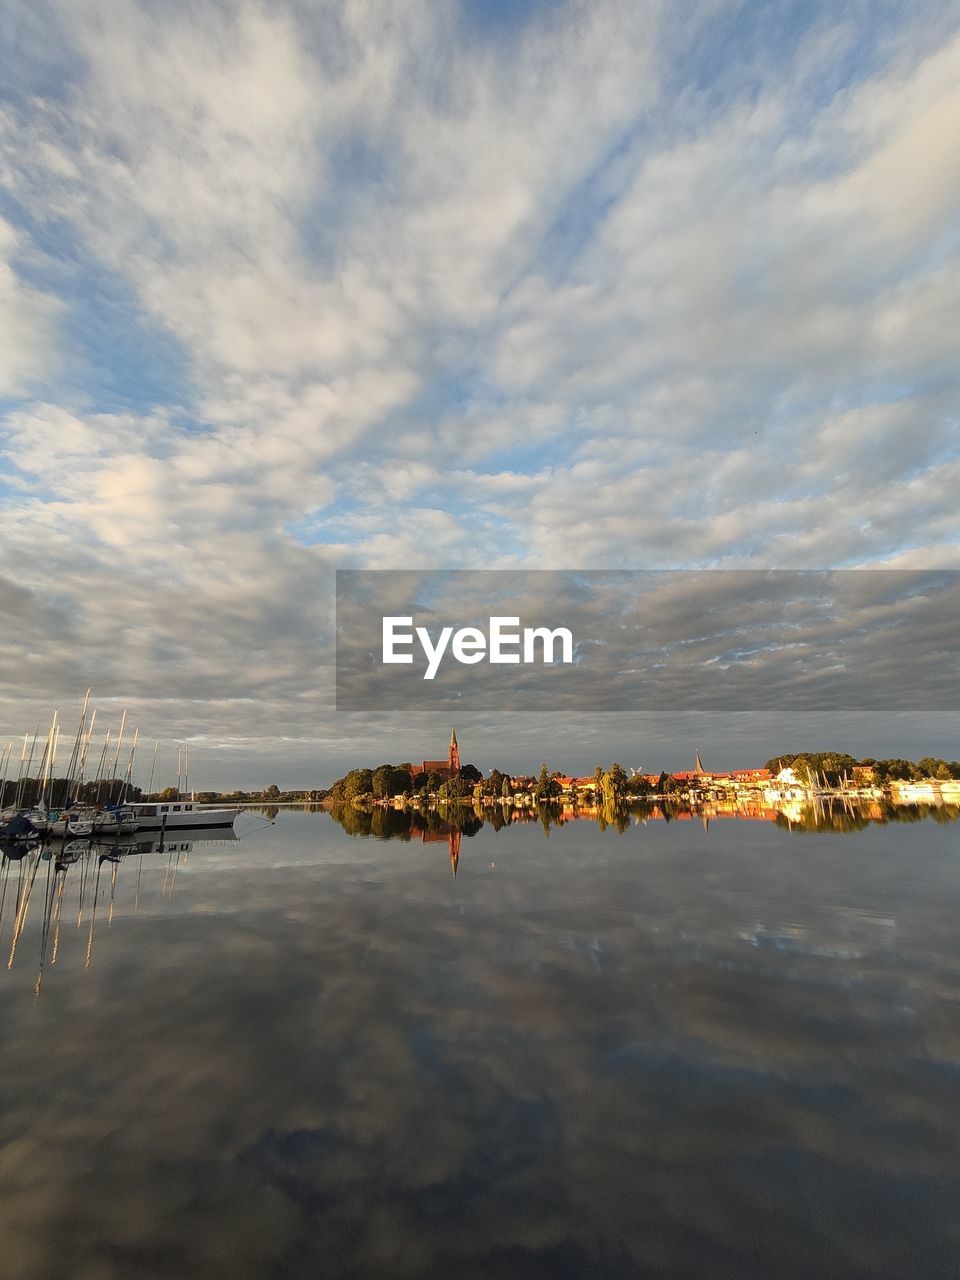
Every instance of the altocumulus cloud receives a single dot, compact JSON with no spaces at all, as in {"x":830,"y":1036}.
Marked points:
{"x":603,"y":285}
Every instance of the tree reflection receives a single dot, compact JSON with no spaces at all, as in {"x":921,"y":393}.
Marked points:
{"x":437,"y":823}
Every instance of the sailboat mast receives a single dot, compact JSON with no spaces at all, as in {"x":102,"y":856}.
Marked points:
{"x":75,"y":753}
{"x":53,"y":757}
{"x":25,"y":772}
{"x":23,"y":756}
{"x":116,"y":759}
{"x":82,"y":764}
{"x":129,"y":772}
{"x":101,"y":763}
{"x":49,"y":755}
{"x":4,"y":761}
{"x":153,"y":767}
{"x":41,"y":770}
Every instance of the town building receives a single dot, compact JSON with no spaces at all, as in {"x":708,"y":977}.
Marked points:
{"x":449,"y":768}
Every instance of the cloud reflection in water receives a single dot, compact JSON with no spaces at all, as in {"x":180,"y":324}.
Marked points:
{"x":675,"y":1050}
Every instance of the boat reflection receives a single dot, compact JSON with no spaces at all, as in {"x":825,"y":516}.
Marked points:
{"x":86,"y":872}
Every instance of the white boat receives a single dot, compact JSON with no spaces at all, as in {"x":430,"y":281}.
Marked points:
{"x":80,"y":823}
{"x":89,"y":820}
{"x":181,"y":813}
{"x":121,"y":821}
{"x":52,"y":822}
{"x":926,"y":791}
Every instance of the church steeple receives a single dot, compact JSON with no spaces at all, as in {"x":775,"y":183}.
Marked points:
{"x":454,"y":757}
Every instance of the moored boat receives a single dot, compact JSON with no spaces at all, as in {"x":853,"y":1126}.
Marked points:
{"x":18,"y":828}
{"x":116,"y":820}
{"x":181,"y":813}
{"x":80,"y":823}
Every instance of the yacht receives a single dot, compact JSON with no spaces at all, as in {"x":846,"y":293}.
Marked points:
{"x":181,"y":813}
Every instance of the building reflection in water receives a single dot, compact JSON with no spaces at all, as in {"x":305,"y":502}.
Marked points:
{"x":450,"y":824}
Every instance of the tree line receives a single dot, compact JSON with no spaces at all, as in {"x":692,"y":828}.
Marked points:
{"x":59,"y":791}
{"x":835,"y":765}
{"x":388,"y":781}
{"x":392,"y":781}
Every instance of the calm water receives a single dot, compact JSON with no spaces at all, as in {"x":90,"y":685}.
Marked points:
{"x":671,"y":1051}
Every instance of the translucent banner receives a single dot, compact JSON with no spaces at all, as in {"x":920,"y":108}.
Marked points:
{"x":680,"y":640}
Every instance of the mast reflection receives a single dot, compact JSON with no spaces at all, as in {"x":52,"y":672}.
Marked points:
{"x":92,"y":870}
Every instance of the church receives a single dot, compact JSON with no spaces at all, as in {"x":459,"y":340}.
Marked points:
{"x":448,"y":768}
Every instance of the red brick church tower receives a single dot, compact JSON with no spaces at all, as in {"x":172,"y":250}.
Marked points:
{"x":448,"y":768}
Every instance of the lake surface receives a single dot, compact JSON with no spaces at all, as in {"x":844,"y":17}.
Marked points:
{"x":672,"y":1051}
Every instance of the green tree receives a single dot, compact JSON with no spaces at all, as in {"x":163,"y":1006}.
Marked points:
{"x":400,"y":781}
{"x":493,"y":785}
{"x":453,"y":789}
{"x":380,"y":781}
{"x":358,"y":782}
{"x":898,"y":770}
{"x":613,"y":784}
{"x":802,"y":769}
{"x":390,"y":780}
{"x":547,"y":788}
{"x":933,"y":768}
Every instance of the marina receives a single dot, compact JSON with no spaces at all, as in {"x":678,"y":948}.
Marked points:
{"x":104,"y":804}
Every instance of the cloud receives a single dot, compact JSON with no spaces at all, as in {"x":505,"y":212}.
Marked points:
{"x":607,"y":285}
{"x":28,"y":322}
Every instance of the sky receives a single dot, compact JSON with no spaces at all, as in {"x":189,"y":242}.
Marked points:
{"x":292,"y":287}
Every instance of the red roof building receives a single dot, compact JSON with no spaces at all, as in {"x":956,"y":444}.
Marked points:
{"x":448,"y":768}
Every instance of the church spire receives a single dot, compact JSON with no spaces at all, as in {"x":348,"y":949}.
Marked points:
{"x":454,"y":758}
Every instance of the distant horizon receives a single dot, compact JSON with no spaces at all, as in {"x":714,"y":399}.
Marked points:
{"x":581,"y":286}
{"x":740,"y":743}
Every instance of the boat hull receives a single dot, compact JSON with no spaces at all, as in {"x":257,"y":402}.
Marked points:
{"x":192,"y":818}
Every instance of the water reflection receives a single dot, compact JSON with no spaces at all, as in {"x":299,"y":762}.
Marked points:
{"x":389,"y":822}
{"x":83,"y":877}
{"x":63,"y":878}
{"x":701,"y":1052}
